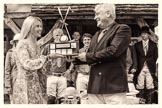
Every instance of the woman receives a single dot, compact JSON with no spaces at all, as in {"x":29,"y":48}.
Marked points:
{"x":27,"y":87}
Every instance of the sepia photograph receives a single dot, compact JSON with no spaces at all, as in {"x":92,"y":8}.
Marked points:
{"x":81,"y":53}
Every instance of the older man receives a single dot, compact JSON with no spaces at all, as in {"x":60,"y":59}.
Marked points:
{"x":107,"y":57}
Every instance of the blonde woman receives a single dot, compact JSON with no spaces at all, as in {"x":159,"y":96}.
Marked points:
{"x":27,"y":87}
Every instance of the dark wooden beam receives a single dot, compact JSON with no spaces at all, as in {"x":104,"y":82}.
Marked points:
{"x":86,"y":11}
{"x":79,"y":16}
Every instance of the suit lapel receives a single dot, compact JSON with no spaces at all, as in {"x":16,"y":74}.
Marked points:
{"x":141,"y":48}
{"x":106,"y":36}
{"x":94,"y":41}
{"x":149,"y":47}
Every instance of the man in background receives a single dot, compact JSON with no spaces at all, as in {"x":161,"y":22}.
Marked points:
{"x":83,"y":71}
{"x":10,"y":70}
{"x":147,"y":54}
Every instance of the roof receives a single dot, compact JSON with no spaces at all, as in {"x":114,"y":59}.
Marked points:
{"x":85,"y":11}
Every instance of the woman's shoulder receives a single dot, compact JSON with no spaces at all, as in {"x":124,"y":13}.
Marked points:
{"x":22,"y":43}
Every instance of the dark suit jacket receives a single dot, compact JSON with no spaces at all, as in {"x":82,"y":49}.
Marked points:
{"x":108,"y":60}
{"x":150,"y":57}
{"x":134,"y":58}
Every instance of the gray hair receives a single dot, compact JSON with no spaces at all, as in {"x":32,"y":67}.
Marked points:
{"x":27,"y":25}
{"x":107,"y":7}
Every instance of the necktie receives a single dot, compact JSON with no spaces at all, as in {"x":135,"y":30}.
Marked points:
{"x":101,"y":35}
{"x":145,"y":48}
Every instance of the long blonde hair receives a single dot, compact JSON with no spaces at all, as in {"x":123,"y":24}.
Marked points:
{"x":27,"y":25}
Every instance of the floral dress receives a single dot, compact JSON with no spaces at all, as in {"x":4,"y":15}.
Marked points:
{"x":27,"y":88}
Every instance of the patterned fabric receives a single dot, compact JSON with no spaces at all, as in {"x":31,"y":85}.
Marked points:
{"x":145,"y":46}
{"x":27,"y":88}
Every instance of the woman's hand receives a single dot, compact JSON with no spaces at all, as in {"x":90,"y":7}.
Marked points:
{"x":70,"y":58}
{"x":133,"y":70}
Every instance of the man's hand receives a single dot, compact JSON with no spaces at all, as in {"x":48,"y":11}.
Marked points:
{"x":133,"y":70}
{"x":130,"y":77}
{"x":82,"y":56}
